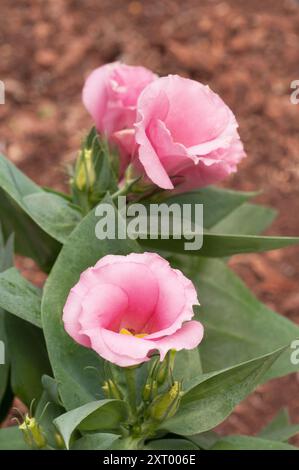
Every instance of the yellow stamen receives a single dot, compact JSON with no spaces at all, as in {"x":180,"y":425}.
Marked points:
{"x":124,"y":331}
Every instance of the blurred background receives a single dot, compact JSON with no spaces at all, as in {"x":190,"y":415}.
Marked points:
{"x":247,"y":51}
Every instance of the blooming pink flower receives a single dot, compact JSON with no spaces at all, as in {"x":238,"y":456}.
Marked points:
{"x":110,"y":95}
{"x":187,"y":136}
{"x":126,"y":307}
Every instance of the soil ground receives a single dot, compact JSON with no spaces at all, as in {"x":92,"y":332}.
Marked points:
{"x":248,"y":52}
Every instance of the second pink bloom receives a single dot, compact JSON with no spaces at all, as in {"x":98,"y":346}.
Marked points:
{"x":187,"y":137}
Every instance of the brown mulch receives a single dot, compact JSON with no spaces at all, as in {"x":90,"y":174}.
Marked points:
{"x":248,"y":51}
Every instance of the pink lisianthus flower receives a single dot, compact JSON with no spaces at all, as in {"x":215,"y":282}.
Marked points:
{"x":110,"y":95}
{"x":187,"y":136}
{"x":128,"y":307}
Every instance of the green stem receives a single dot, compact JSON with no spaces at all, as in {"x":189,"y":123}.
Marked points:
{"x":125,"y":189}
{"x":131,"y":383}
{"x":130,"y":443}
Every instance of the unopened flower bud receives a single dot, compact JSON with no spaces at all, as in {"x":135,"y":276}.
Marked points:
{"x":166,"y":367}
{"x":32,"y":433}
{"x":149,"y":390}
{"x":114,"y":390}
{"x":105,"y":388}
{"x":59,"y":441}
{"x":85,"y":173}
{"x":166,"y":404}
{"x":111,"y":390}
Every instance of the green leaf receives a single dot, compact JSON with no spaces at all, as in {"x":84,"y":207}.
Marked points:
{"x":51,"y":388}
{"x":4,"y":361}
{"x":6,"y":251}
{"x":216,"y":245}
{"x":97,"y":441}
{"x":29,"y":358}
{"x":171,"y":444}
{"x":210,"y":398}
{"x":19,"y":297}
{"x":237,"y":325}
{"x":204,"y":440}
{"x":250,"y":443}
{"x":45,"y":413}
{"x":31,"y":240}
{"x":53,"y":213}
{"x":6,"y":401}
{"x":6,"y":259}
{"x":280,"y":429}
{"x":187,"y":365}
{"x":78,"y":385}
{"x":12,"y":439}
{"x":248,"y":219}
{"x":217,"y":202}
{"x":103,"y":415}
{"x":233,"y":230}
{"x":22,"y":339}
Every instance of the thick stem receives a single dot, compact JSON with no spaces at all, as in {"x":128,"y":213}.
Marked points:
{"x":130,"y":443}
{"x":131,"y":383}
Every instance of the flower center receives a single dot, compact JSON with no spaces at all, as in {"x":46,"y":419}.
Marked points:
{"x":131,"y":332}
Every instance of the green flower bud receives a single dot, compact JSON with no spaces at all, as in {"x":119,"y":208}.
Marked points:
{"x":85,"y":175}
{"x":114,"y":390}
{"x":32,"y":433}
{"x":111,"y":390}
{"x":149,"y":390}
{"x":59,"y":441}
{"x":106,"y":390}
{"x":166,"y":404}
{"x":166,"y":367}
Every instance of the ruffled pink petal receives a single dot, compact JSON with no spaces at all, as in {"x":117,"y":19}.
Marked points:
{"x":176,"y":299}
{"x":71,"y":312}
{"x":119,"y":349}
{"x":187,"y":337}
{"x":205,"y":115}
{"x":125,"y":142}
{"x":152,"y":105}
{"x":141,"y":287}
{"x":95,"y":95}
{"x":103,"y":306}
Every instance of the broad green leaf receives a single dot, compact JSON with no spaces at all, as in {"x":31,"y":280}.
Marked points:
{"x":6,"y":401}
{"x":4,"y":358}
{"x":216,"y":245}
{"x":6,"y":260}
{"x":12,"y":439}
{"x":204,"y":440}
{"x":19,"y":297}
{"x":30,"y":239}
{"x":171,"y":444}
{"x":78,"y":384}
{"x":29,"y":358}
{"x":247,"y":219}
{"x":237,"y":326}
{"x":6,"y":251}
{"x":250,"y":443}
{"x":97,"y":441}
{"x":209,"y":399}
{"x":280,"y":428}
{"x":217,"y":202}
{"x":103,"y":415}
{"x":51,"y":388}
{"x":53,"y":213}
{"x":187,"y":365}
